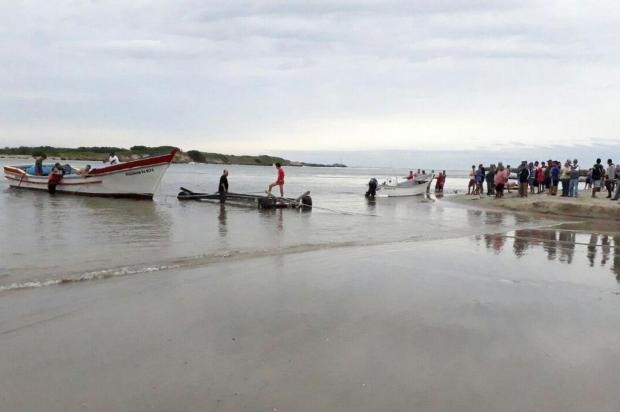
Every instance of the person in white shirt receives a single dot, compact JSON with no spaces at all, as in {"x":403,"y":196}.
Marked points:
{"x":113,"y":160}
{"x":610,"y":178}
{"x":617,"y":177}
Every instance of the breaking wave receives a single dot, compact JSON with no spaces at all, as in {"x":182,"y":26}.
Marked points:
{"x":179,"y":263}
{"x":95,"y":275}
{"x":205,"y":260}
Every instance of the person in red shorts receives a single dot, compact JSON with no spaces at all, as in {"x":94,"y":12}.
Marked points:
{"x":279,"y":180}
{"x":441,"y":179}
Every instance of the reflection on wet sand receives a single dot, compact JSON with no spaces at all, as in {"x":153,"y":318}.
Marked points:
{"x":567,"y":239}
{"x":268,"y":215}
{"x":592,"y":248}
{"x":559,"y":245}
{"x":372,"y":204}
{"x":280,"y":220}
{"x":221,"y":217}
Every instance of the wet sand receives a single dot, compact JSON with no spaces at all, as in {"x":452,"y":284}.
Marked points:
{"x":426,"y":326}
{"x":582,"y":207}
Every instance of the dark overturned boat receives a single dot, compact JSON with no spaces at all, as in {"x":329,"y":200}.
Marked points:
{"x":266,"y":201}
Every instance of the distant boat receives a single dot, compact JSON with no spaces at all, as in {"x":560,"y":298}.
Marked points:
{"x":393,"y":187}
{"x":134,"y":179}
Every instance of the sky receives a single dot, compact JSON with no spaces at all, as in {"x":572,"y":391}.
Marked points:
{"x":270,"y":77}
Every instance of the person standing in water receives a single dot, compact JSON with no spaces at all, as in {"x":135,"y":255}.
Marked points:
{"x":222,"y":189}
{"x":441,"y":179}
{"x":54,"y":178}
{"x":279,"y":180}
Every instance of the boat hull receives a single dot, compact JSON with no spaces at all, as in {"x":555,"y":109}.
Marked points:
{"x":136,"y":179}
{"x":404,"y":189}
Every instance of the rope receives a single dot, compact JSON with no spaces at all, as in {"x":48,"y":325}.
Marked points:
{"x":20,"y":180}
{"x":342,"y":212}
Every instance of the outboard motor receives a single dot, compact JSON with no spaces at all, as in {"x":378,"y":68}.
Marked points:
{"x":184,"y":195}
{"x":372,"y":188}
{"x":306,"y":203}
{"x":267,"y":202}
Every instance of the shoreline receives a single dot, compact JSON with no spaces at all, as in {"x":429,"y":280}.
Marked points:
{"x":584,"y":206}
{"x":307,"y":328}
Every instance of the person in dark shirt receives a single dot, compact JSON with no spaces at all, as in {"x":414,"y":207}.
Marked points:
{"x":222,"y":189}
{"x":523,"y":174}
{"x":480,"y":176}
{"x":555,"y":177}
{"x":507,"y":185}
{"x":598,"y":173}
{"x":547,"y":175}
{"x":490,"y":178}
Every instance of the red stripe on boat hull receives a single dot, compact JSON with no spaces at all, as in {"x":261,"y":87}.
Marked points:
{"x":63,"y":183}
{"x":18,"y":175}
{"x":149,"y":161}
{"x":141,"y":196}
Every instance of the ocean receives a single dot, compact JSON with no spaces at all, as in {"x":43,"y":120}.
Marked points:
{"x":49,"y":240}
{"x":397,"y":304}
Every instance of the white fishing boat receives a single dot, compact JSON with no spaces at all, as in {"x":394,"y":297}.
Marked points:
{"x":395,"y":187}
{"x":135,"y":179}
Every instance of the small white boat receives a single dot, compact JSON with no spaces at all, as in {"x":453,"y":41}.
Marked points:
{"x":135,"y":179}
{"x":394,"y":187}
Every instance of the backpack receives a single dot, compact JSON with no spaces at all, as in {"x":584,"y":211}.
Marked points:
{"x":596,"y":172}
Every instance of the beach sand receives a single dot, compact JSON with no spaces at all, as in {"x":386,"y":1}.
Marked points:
{"x":383,"y":328}
{"x":582,"y":207}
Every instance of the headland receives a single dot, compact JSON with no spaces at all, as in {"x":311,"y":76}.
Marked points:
{"x":100,"y":153}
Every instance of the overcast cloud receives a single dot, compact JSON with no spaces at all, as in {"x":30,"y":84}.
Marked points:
{"x":263,"y":77}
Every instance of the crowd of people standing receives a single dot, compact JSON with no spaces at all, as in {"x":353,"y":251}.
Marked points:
{"x":544,"y":177}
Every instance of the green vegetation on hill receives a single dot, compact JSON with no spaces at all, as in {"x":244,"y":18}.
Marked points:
{"x":86,"y":153}
{"x":98,"y":153}
{"x":218,"y":158}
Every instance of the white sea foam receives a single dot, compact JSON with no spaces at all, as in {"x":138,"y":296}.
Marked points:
{"x":187,"y":262}
{"x":94,"y":275}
